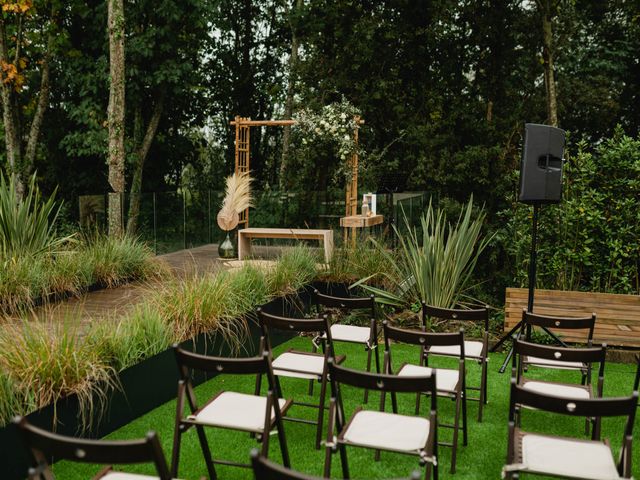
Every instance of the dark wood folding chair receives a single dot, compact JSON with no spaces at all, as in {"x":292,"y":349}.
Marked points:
{"x":475,"y":350}
{"x":366,"y":336}
{"x":567,"y":457}
{"x":380,"y":430}
{"x":573,"y":356}
{"x":551,"y":323}
{"x":45,"y":445}
{"x":265,"y":469}
{"x":255,"y":414}
{"x":297,"y":364}
{"x":451,"y":382}
{"x":636,"y":382}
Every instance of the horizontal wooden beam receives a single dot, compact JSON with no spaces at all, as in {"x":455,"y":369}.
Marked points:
{"x":270,"y":123}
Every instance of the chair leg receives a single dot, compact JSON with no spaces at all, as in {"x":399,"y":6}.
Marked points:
{"x":314,"y":349}
{"x":206,"y":452}
{"x":417,"y":404}
{"x":483,"y":390}
{"x":366,"y":391}
{"x":323,"y":394}
{"x":464,"y":417}
{"x":175,"y":454}
{"x":456,"y":428}
{"x":328,"y":455}
{"x":343,"y":461}
{"x":283,"y":445}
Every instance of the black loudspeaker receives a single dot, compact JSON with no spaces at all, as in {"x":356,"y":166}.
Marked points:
{"x":541,"y":166}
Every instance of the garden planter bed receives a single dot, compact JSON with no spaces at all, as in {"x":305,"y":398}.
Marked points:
{"x":144,"y":387}
{"x":618,"y":316}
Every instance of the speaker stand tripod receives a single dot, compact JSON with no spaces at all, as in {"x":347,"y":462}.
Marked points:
{"x":517,"y":331}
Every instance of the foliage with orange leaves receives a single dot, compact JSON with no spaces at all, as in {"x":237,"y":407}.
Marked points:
{"x":21,"y":6}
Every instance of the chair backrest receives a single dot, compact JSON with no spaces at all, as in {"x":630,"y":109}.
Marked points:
{"x":473,"y":315}
{"x":320,"y":326}
{"x":422,"y":339}
{"x":382,"y":382}
{"x":594,"y":407}
{"x":221,"y":365}
{"x":44,"y":445}
{"x":562,"y":323}
{"x":561,"y":354}
{"x":346,"y":303}
{"x":265,"y":469}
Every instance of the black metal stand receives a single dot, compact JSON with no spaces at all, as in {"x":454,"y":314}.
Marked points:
{"x":518,"y":330}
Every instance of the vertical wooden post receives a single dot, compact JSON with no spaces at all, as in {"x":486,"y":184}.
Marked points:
{"x":243,"y":154}
{"x":352,"y":186}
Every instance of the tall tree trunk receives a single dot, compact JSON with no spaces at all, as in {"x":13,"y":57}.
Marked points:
{"x":288,"y":107}
{"x":42,"y":105}
{"x":115,"y":114}
{"x":10,"y":114}
{"x":547,"y":11}
{"x":141,"y":155}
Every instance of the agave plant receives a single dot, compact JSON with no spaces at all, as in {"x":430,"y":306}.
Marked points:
{"x":27,"y":225}
{"x":436,"y":266}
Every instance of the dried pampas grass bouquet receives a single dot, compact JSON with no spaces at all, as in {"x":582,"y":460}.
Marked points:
{"x":237,"y":198}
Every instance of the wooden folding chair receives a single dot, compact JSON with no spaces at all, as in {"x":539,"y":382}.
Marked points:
{"x":572,"y":356}
{"x":296,"y":364}
{"x":475,"y":350}
{"x":451,"y":383}
{"x":551,"y":323}
{"x":366,"y":336}
{"x":380,"y":430}
{"x":44,"y":445}
{"x":255,"y":414}
{"x":567,"y":457}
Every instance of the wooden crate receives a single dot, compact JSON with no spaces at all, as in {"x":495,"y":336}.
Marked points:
{"x":618,"y":316}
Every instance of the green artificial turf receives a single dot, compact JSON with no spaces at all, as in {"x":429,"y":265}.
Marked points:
{"x":481,"y":459}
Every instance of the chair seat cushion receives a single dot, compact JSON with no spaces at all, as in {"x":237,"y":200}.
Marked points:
{"x":239,"y":411}
{"x":548,"y":363}
{"x":350,"y":333}
{"x":568,"y":457}
{"x":304,"y":365}
{"x":387,"y":431}
{"x":557,"y":389}
{"x":471,"y":349}
{"x":446,"y":379}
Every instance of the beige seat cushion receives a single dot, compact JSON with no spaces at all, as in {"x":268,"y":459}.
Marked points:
{"x":305,"y":366}
{"x":446,"y":379}
{"x":471,"y":349}
{"x":388,"y":431}
{"x":559,"y":364}
{"x":350,"y":333}
{"x":568,"y":457}
{"x":557,"y":389}
{"x":236,"y":410}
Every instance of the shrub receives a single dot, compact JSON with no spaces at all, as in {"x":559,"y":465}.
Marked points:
{"x":591,"y":240}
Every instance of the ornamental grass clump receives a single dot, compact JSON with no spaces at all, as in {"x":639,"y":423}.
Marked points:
{"x":138,"y":336}
{"x":22,"y":281}
{"x":115,"y":261}
{"x":45,"y":362}
{"x":364,"y":260}
{"x":295,"y":268}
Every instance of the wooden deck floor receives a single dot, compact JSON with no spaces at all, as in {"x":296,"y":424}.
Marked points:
{"x":111,"y":304}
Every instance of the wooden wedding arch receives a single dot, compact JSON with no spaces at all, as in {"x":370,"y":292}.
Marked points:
{"x":243,"y":157}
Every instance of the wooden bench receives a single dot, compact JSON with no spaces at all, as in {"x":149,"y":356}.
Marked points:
{"x":245,"y":235}
{"x":618,"y":316}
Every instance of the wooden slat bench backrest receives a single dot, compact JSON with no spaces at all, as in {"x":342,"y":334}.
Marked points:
{"x":618,"y":316}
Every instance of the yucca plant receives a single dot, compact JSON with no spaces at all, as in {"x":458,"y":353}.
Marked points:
{"x":47,"y":361}
{"x":27,"y":225}
{"x":437,"y":265}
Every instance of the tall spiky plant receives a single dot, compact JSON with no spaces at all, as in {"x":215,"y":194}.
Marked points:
{"x":436,"y":269}
{"x":27,"y":226}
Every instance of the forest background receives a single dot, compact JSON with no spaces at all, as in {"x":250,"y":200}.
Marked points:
{"x":444,"y":87}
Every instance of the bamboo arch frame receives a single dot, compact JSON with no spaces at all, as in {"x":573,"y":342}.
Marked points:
{"x":243,"y":156}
